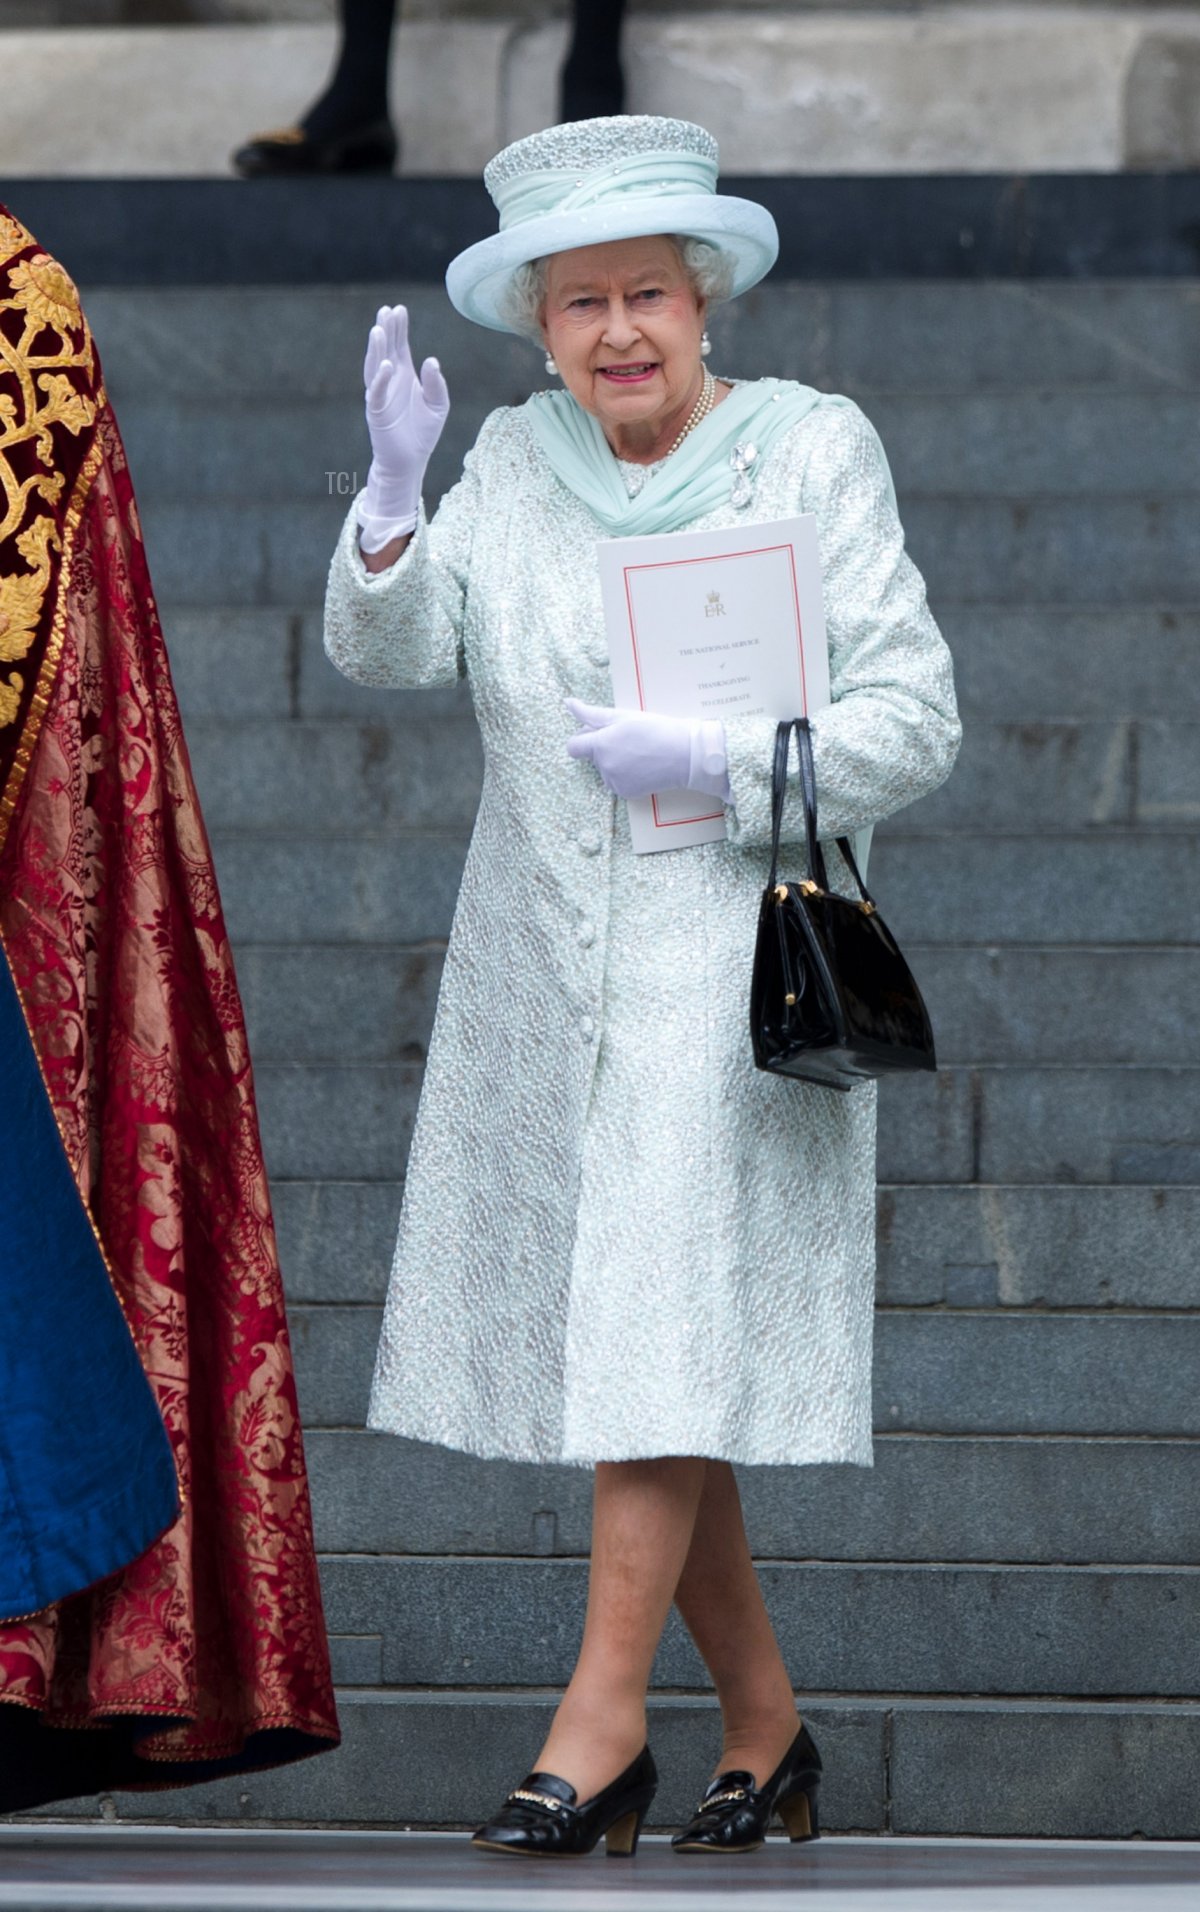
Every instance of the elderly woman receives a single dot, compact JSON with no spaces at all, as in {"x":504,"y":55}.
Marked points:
{"x":620,"y":1245}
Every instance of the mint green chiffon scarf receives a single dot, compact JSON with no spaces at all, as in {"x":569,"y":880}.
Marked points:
{"x":693,"y":480}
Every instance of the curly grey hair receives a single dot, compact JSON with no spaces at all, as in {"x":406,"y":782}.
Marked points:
{"x":709,"y":269}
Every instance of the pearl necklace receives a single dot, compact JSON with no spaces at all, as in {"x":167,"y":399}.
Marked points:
{"x":700,"y":410}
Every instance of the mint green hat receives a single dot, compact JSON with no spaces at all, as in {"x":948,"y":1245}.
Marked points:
{"x":589,"y":181}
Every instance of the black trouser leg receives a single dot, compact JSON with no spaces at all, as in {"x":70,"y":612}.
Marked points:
{"x":592,"y":84}
{"x":358,"y":91}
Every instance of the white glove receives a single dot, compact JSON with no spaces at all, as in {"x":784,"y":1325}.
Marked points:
{"x":405,"y":415}
{"x":638,"y":753}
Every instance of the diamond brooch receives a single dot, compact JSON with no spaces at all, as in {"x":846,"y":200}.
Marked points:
{"x":742,"y":457}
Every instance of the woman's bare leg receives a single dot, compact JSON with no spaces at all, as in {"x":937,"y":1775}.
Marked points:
{"x":722,"y":1606}
{"x":644,"y":1512}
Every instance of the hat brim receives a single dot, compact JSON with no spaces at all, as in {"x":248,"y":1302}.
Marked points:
{"x":476,"y":279}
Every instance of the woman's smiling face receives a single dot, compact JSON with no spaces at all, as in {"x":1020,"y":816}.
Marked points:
{"x":624,"y":323}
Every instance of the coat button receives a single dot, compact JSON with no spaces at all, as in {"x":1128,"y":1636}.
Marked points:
{"x":587,"y":1028}
{"x":590,"y":842}
{"x":587,"y":935}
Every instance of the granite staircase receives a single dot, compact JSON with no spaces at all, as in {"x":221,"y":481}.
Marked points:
{"x":996,"y":1630}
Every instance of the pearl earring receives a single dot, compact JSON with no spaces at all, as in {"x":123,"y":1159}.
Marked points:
{"x":705,"y":345}
{"x":551,"y":367}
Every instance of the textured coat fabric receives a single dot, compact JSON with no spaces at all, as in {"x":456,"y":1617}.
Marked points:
{"x":618,"y":1238}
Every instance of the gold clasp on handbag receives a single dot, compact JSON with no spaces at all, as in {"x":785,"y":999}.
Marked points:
{"x":867,"y":907}
{"x":809,"y":888}
{"x":790,"y":999}
{"x":781,"y":892}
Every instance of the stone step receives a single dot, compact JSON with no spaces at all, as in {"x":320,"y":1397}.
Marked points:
{"x":281,"y":447}
{"x":1076,"y":1631}
{"x":1056,"y":1501}
{"x":935,"y":1372}
{"x":376,"y":1003}
{"x":1035,"y":89}
{"x":891,"y":336}
{"x":1101,"y":886}
{"x":1078,"y":1769}
{"x":991,"y":1124}
{"x":1010,"y":665}
{"x":963,"y":1247}
{"x":1020,"y":551}
{"x":334,"y":776}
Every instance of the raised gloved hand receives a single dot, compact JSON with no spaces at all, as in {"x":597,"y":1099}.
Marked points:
{"x":638,"y":753}
{"x":405,"y":415}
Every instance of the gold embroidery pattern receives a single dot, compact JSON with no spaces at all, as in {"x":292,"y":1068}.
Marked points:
{"x":14,"y":237}
{"x":46,"y":357}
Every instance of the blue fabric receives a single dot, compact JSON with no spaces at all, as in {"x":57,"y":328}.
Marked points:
{"x":86,"y":1476}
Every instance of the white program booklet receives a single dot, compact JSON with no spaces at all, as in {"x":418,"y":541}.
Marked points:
{"x":713,"y":624}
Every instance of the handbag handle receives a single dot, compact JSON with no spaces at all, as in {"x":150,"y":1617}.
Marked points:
{"x":808,"y":791}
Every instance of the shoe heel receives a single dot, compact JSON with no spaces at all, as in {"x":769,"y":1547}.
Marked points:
{"x":799,"y":1815}
{"x":621,"y":1839}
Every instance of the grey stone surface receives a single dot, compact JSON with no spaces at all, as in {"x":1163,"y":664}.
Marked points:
{"x":1106,"y":886}
{"x":181,"y":343}
{"x":1022,"y":1247}
{"x":356,"y":1659}
{"x":1013,"y":664}
{"x":325,"y":1004}
{"x":441,"y":1759}
{"x":865,"y":339}
{"x":1061,"y":1005}
{"x":985,"y":1373}
{"x":1083,"y":1125}
{"x":1040,"y":1247}
{"x":868,"y":339}
{"x":336,"y":1238}
{"x":395,"y":771}
{"x":1100,"y":1772}
{"x":988,"y":1005}
{"x":926,"y":1129}
{"x":334,"y":1352}
{"x":1006,"y":444}
{"x":341,"y":1121}
{"x":1050,"y":550}
{"x":214,"y":553}
{"x":331,"y":778}
{"x":354,"y":888}
{"x":1017,"y":776}
{"x":355,"y":1121}
{"x":841,"y":1628}
{"x":1168,"y":789}
{"x":936,"y":1371}
{"x":1162,"y":118}
{"x":232,"y":663}
{"x":1035,"y":444}
{"x":933,"y":1497}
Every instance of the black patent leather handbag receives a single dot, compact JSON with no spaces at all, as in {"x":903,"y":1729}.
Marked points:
{"x":832,"y":1000}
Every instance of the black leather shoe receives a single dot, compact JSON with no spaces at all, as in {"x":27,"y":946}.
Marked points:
{"x":372,"y":148}
{"x":543,"y":1820}
{"x":734,"y":1814}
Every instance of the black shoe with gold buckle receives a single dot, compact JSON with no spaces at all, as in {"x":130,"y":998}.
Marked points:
{"x":734,"y":1814}
{"x":369,"y":148}
{"x":542,"y":1819}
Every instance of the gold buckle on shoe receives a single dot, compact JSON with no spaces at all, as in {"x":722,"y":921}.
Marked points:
{"x":537,"y":1799}
{"x":722,"y":1799}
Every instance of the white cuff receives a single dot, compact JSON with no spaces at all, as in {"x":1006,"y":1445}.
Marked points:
{"x":374,"y":533}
